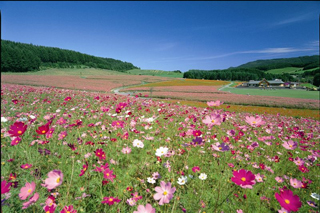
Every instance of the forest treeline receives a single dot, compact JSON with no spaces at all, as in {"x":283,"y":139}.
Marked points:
{"x":256,"y":70}
{"x":21,"y":57}
{"x":235,"y":74}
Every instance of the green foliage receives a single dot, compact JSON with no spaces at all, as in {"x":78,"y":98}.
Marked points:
{"x":316,"y":80}
{"x":20,"y":57}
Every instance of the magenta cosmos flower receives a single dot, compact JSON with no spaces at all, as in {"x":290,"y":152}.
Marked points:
{"x":17,"y":129}
{"x":288,"y":201}
{"x":27,"y":190}
{"x":110,"y":200}
{"x":244,"y":178}
{"x":54,"y":179}
{"x":26,"y":166}
{"x":164,"y":193}
{"x":254,"y":121}
{"x":5,"y":186}
{"x":42,"y":130}
{"x":145,"y":209}
{"x":68,"y":209}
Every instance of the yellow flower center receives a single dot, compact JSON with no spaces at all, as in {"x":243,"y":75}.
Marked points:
{"x":47,"y":211}
{"x":253,"y":122}
{"x":84,"y":169}
{"x":58,"y":180}
{"x":110,"y":199}
{"x":108,"y":174}
{"x":43,"y":131}
{"x":29,"y":190}
{"x":26,"y":167}
{"x":165,"y":193}
{"x":19,"y":132}
{"x":287,"y":201}
{"x":243,"y":179}
{"x":220,"y":148}
{"x":212,"y":121}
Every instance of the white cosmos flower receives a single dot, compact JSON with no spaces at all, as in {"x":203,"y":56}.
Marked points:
{"x":138,"y":143}
{"x":315,"y":196}
{"x":151,"y":180}
{"x":182,"y":180}
{"x":3,"y":120}
{"x":162,"y":151}
{"x":203,"y":176}
{"x":32,"y":116}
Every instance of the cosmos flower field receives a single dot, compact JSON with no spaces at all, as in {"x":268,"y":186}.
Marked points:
{"x":78,"y":151}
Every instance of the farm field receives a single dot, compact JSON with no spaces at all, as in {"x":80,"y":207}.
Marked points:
{"x":97,"y":152}
{"x":155,"y":73}
{"x":192,"y":91}
{"x":92,"y":82}
{"x":290,"y":93}
{"x":290,"y":70}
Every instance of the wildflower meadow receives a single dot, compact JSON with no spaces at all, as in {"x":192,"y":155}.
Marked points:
{"x":73,"y":151}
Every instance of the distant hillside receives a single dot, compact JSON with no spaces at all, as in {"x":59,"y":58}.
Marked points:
{"x":305,"y":62}
{"x":288,"y":69}
{"x":20,"y":57}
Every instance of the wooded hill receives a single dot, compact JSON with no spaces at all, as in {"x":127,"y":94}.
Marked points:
{"x":256,"y":70}
{"x":21,"y":57}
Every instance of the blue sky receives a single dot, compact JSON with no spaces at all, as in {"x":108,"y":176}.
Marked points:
{"x":165,"y":35}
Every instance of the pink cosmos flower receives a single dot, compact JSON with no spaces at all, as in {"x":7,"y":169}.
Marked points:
{"x":32,"y":200}
{"x":298,"y":161}
{"x":214,"y":103}
{"x":126,"y":150}
{"x":61,"y":121}
{"x":145,"y":209}
{"x":131,"y":201}
{"x":50,"y":202}
{"x":68,"y":209}
{"x":5,"y":187}
{"x":54,"y":179}
{"x":295,"y":183}
{"x":254,"y":121}
{"x":62,"y":135}
{"x":288,"y":201}
{"x":244,"y":178}
{"x":118,"y":124}
{"x":101,"y":168}
{"x":259,"y":177}
{"x":27,"y":190}
{"x":291,"y":145}
{"x":164,"y":193}
{"x":279,"y":179}
{"x":135,"y":196}
{"x":108,"y":174}
{"x":110,"y":200}
{"x":213,"y":119}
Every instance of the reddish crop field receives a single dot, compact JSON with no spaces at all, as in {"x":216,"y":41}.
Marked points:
{"x":105,"y":83}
